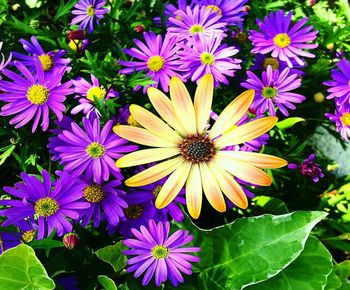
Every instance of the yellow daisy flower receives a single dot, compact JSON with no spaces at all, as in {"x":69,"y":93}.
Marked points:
{"x":193,"y":156}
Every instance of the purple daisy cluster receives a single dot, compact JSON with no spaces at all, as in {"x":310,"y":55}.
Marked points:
{"x":195,"y":44}
{"x":339,"y":91}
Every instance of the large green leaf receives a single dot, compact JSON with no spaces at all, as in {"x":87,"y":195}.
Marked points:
{"x":113,"y":255}
{"x":333,"y":281}
{"x":251,"y":250}
{"x":308,"y":272}
{"x":107,"y":283}
{"x":21,"y":269}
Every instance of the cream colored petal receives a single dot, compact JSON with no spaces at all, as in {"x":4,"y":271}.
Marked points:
{"x":154,"y":173}
{"x":211,"y":188}
{"x":183,"y":105}
{"x":244,"y":171}
{"x":229,"y":186}
{"x":257,"y":159}
{"x":246,"y":132}
{"x":165,"y":109}
{"x":173,"y":185}
{"x":194,"y":192}
{"x":146,"y":156}
{"x":232,"y":113}
{"x":154,"y":124}
{"x":142,"y":136}
{"x":203,"y":99}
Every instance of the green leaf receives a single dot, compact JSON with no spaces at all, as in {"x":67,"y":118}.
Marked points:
{"x":107,"y":283}
{"x":333,"y":281}
{"x":308,"y":272}
{"x":251,"y":250}
{"x":288,"y":123}
{"x":21,"y":269}
{"x":64,"y":9}
{"x":343,"y":269}
{"x":113,"y":255}
{"x":6,"y":154}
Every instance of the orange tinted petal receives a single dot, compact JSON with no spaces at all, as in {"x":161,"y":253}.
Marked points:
{"x":194,"y":192}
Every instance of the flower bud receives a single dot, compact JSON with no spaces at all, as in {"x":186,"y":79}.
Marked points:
{"x":71,"y":240}
{"x":76,"y":35}
{"x":139,"y":28}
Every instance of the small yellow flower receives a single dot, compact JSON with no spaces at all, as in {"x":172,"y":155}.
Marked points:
{"x":193,"y":157}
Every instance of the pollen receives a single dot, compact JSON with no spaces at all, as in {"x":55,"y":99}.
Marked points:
{"x":134,"y":211}
{"x":95,"y":92}
{"x":46,"y":62}
{"x":282,"y":40}
{"x":28,"y":236}
{"x":156,"y":191}
{"x":269,"y":92}
{"x":155,"y":63}
{"x":197,"y":149}
{"x":94,"y":193}
{"x":95,"y":150}
{"x":90,"y":11}
{"x":345,"y":119}
{"x":37,"y":94}
{"x":46,"y":206}
{"x":160,"y":252}
{"x":196,"y":29}
{"x":214,"y":9}
{"x":207,"y":58}
{"x":271,"y":61}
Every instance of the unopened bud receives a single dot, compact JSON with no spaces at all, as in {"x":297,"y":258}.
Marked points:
{"x":139,"y":28}
{"x":319,"y":97}
{"x":76,"y":35}
{"x":71,"y":240}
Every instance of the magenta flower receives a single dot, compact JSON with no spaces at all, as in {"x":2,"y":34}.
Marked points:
{"x":33,"y":96}
{"x":198,"y":20}
{"x":339,"y":85}
{"x":156,"y":254}
{"x":274,"y":88}
{"x":309,"y":168}
{"x":88,"y":13}
{"x":341,"y":118}
{"x":202,"y":55}
{"x":87,"y":93}
{"x":284,"y":42}
{"x":158,"y":59}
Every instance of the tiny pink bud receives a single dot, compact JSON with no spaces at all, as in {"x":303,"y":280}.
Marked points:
{"x":71,"y":240}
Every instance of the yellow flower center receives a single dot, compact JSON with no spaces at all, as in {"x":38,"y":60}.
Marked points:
{"x":95,"y":150}
{"x":155,"y":63}
{"x":94,"y":193}
{"x":271,"y":61}
{"x":28,"y":236}
{"x":214,"y":8}
{"x":75,"y":45}
{"x":160,"y":252}
{"x":90,"y":10}
{"x":156,"y":191}
{"x":46,"y":206}
{"x":269,"y":92}
{"x":133,"y":211}
{"x":207,"y":58}
{"x":196,"y":29}
{"x":37,"y":94}
{"x":345,"y":119}
{"x":95,"y":92}
{"x":132,"y":121}
{"x":197,"y":149}
{"x":282,"y":40}
{"x":46,"y":62}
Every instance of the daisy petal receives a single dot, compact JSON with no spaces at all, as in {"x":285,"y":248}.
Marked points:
{"x":194,"y":192}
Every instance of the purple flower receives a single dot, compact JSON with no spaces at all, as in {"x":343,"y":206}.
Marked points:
{"x":156,"y":254}
{"x":32,"y":96}
{"x":274,"y":89}
{"x":202,"y":55}
{"x":51,"y":61}
{"x":231,"y":12}
{"x":171,"y":10}
{"x":309,"y":168}
{"x":198,"y":20}
{"x":106,"y":201}
{"x":87,"y":94}
{"x":87,"y":13}
{"x":261,"y":62}
{"x":341,"y":118}
{"x":4,"y":62}
{"x":51,"y":202}
{"x":283,"y":41}
{"x":158,"y":59}
{"x":90,"y":150}
{"x":340,"y":83}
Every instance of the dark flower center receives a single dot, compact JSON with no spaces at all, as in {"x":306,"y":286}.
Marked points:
{"x":46,"y":206}
{"x":94,"y":193}
{"x":197,"y":148}
{"x":271,"y":61}
{"x":160,"y":252}
{"x":133,"y":211}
